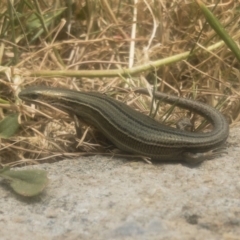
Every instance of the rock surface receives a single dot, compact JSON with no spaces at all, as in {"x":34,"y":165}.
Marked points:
{"x":112,"y":198}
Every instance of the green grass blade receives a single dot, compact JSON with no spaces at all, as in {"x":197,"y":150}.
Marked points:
{"x":218,"y":28}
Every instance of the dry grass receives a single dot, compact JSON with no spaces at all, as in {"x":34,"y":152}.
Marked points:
{"x":108,"y":35}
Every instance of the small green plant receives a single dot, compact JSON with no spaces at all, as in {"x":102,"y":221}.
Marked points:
{"x":27,"y":183}
{"x":9,"y":125}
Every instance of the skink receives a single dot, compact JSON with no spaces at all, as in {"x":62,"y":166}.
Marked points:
{"x":135,"y":132}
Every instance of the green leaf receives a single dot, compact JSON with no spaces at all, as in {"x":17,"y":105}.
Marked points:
{"x":34,"y":23}
{"x":8,"y":126}
{"x":218,"y":28}
{"x":27,"y":183}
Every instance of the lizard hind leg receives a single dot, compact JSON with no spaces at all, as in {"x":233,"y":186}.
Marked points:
{"x":196,"y":158}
